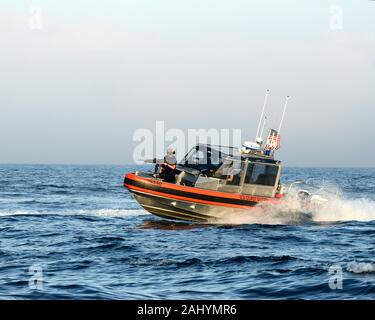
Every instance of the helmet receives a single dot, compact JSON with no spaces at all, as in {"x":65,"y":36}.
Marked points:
{"x":171,"y":151}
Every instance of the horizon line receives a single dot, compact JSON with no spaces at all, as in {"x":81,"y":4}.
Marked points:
{"x":135,"y":165}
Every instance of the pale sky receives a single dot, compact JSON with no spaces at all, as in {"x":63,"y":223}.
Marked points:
{"x":78,"y":82}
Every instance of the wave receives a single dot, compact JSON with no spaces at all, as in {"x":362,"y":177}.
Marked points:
{"x":235,"y":260}
{"x":244,"y":259}
{"x":17,"y":213}
{"x":360,"y":267}
{"x":119,"y":212}
{"x":138,"y":261}
{"x":57,"y":186}
{"x":94,"y":212}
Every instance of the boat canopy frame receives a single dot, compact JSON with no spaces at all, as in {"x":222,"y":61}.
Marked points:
{"x":264,"y":179}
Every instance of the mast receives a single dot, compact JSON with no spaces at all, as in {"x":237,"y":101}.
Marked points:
{"x":262,"y":114}
{"x":264,"y":125}
{"x":282,"y":117}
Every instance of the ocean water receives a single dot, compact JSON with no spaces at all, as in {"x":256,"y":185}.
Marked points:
{"x":74,"y":232}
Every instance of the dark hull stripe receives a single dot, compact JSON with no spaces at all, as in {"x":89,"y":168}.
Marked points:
{"x":194,"y":190}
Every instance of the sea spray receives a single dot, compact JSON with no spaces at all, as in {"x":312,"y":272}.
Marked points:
{"x":339,"y":209}
{"x":287,"y":211}
{"x":291,"y":210}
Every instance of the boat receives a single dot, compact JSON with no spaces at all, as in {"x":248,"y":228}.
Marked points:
{"x":206,"y":189}
{"x":214,"y":181}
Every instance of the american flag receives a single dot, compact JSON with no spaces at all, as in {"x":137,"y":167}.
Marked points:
{"x":273,"y":140}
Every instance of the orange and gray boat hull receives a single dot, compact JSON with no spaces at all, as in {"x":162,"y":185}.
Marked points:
{"x":180,"y":202}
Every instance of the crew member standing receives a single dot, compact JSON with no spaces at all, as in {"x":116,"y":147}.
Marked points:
{"x":168,"y":168}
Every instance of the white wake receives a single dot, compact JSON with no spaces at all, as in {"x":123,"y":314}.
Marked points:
{"x":83,"y":212}
{"x":360,"y":267}
{"x":291,"y":211}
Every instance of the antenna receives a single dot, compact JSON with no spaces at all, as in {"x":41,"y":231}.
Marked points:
{"x":261,"y":116}
{"x":282,"y":117}
{"x":264,"y":125}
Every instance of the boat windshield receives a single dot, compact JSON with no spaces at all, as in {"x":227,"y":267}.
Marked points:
{"x":206,"y":158}
{"x":231,"y":167}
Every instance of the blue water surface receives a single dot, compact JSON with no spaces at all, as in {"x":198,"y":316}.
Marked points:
{"x":74,"y":232}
